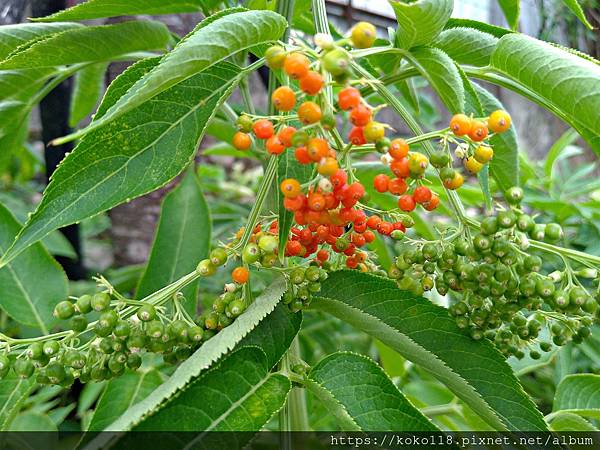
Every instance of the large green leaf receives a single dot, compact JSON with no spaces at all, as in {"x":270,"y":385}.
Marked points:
{"x":32,"y":284}
{"x":357,"y":389}
{"x":135,"y":155}
{"x":567,"y":82}
{"x":182,"y":239}
{"x":90,"y":44}
{"x":13,"y":391}
{"x":202,"y":359}
{"x":87,"y":89}
{"x":95,"y":9}
{"x":13,"y":36}
{"x":120,"y":394}
{"x":569,"y":422}
{"x":504,"y":167}
{"x":214,"y":39}
{"x":441,"y":72}
{"x":467,"y":45}
{"x":420,"y":22}
{"x":511,"y":10}
{"x":579,"y":394}
{"x":425,"y":334}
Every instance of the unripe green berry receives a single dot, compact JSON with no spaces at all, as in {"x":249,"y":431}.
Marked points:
{"x":297,"y":275}
{"x":4,"y":366}
{"x":122,"y":329}
{"x":84,"y":304}
{"x":489,"y":226}
{"x":23,"y":368}
{"x":178,"y":329}
{"x":195,"y":334}
{"x":35,"y":350}
{"x":106,"y":346}
{"x":205,"y":268}
{"x":108,"y":319}
{"x":155,"y":329}
{"x":134,"y":361}
{"x":336,"y":62}
{"x":312,"y":273}
{"x":538,"y":232}
{"x":236,"y":308}
{"x":75,"y":359}
{"x":218,"y":256}
{"x":100,"y":301}
{"x":553,"y":232}
{"x":268,"y":243}
{"x":507,"y":219}
{"x":244,"y":123}
{"x":146,"y":313}
{"x":78,"y":324}
{"x":51,"y":348}
{"x":64,"y":310}
{"x":514,"y":195}
{"x":383,"y":145}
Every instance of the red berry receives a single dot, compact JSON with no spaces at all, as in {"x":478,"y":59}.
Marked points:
{"x":311,"y":83}
{"x":357,"y":136}
{"x":373,"y":221}
{"x":322,"y":255}
{"x":407,"y":203}
{"x":293,"y":248}
{"x":360,"y":115}
{"x":400,"y":167}
{"x":274,"y":146}
{"x":349,"y":98}
{"x":385,"y":228}
{"x":339,"y":178}
{"x":398,"y":186}
{"x":263,"y":129}
{"x":422,"y":194}
{"x":285,"y":135}
{"x":381,"y":182}
{"x":369,"y":236}
{"x":302,"y":155}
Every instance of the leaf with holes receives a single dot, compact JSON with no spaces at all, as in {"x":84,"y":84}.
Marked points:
{"x":87,"y":89}
{"x":182,"y":239}
{"x":360,"y":394}
{"x":562,"y":81}
{"x":420,"y":22}
{"x":579,"y":394}
{"x":32,"y":284}
{"x":136,"y":154}
{"x":467,"y":45}
{"x":425,"y":334}
{"x":90,"y":44}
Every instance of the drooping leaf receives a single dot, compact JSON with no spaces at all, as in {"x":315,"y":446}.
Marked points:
{"x":90,"y":44}
{"x":437,"y":67}
{"x":467,"y":45}
{"x":579,"y":394}
{"x":566,"y":82}
{"x":569,"y":422}
{"x":96,"y":9}
{"x":32,"y":284}
{"x":576,"y":9}
{"x":420,"y":22}
{"x":201,"y":360}
{"x":13,"y":391}
{"x":213,"y":40}
{"x":363,"y":393}
{"x":425,"y":334}
{"x":511,"y":10}
{"x":87,"y":89}
{"x":136,"y":154}
{"x":477,"y":25}
{"x":13,"y":36}
{"x":122,"y":393}
{"x":182,"y":240}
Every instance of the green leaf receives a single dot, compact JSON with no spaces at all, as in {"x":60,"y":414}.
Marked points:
{"x":13,"y":36}
{"x":420,"y":22}
{"x":511,"y":10}
{"x":31,"y":284}
{"x":566,"y":82}
{"x":425,"y":334}
{"x":182,"y":240}
{"x":87,"y":89}
{"x":563,"y":142}
{"x":90,"y":44}
{"x":365,"y":394}
{"x":202,"y":359}
{"x":13,"y":391}
{"x":120,"y":394}
{"x":437,"y":67}
{"x":484,"y":182}
{"x":214,"y":39}
{"x":96,"y":9}
{"x":137,"y":154}
{"x":504,"y":167}
{"x":568,"y":422}
{"x":31,"y":421}
{"x":476,"y":25}
{"x":467,"y":45}
{"x":579,"y":394}
{"x":576,"y":9}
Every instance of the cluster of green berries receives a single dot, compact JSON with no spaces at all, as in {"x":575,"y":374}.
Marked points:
{"x":303,"y":284}
{"x":224,"y":311}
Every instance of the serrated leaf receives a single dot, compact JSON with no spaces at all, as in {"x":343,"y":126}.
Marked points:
{"x":576,"y":9}
{"x":568,"y":422}
{"x":467,"y":45}
{"x":23,"y":295}
{"x":511,"y":10}
{"x":136,"y":154}
{"x":365,"y":394}
{"x":477,"y":25}
{"x":425,"y":334}
{"x":120,"y":394}
{"x":13,"y":391}
{"x":439,"y":69}
{"x":201,"y":360}
{"x":214,"y":39}
{"x":182,"y":240}
{"x":13,"y":36}
{"x":504,"y":167}
{"x":579,"y":394}
{"x":87,"y":89}
{"x":420,"y":22}
{"x":96,"y":9}
{"x":90,"y":44}
{"x":564,"y":80}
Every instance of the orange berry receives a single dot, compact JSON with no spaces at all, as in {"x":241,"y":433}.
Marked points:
{"x":283,"y":98}
{"x":360,"y":115}
{"x":274,"y":146}
{"x":349,"y":98}
{"x":297,"y":203}
{"x":302,"y":155}
{"x":322,"y":255}
{"x":316,"y":201}
{"x":381,"y":182}
{"x":285,"y":136}
{"x":499,"y":121}
{"x":422,"y":194}
{"x":455,"y":182}
{"x":311,"y":83}
{"x":407,"y":203}
{"x":296,"y":65}
{"x":318,"y":148}
{"x":400,"y":167}
{"x":398,"y":149}
{"x":290,"y":188}
{"x":241,"y":140}
{"x":432,"y":204}
{"x":263,"y":129}
{"x":309,"y":112}
{"x":240,"y":275}
{"x":478,"y":131}
{"x":373,"y":221}
{"x":397,"y":186}
{"x":357,"y":136}
{"x":327,"y":166}
{"x":460,"y":124}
